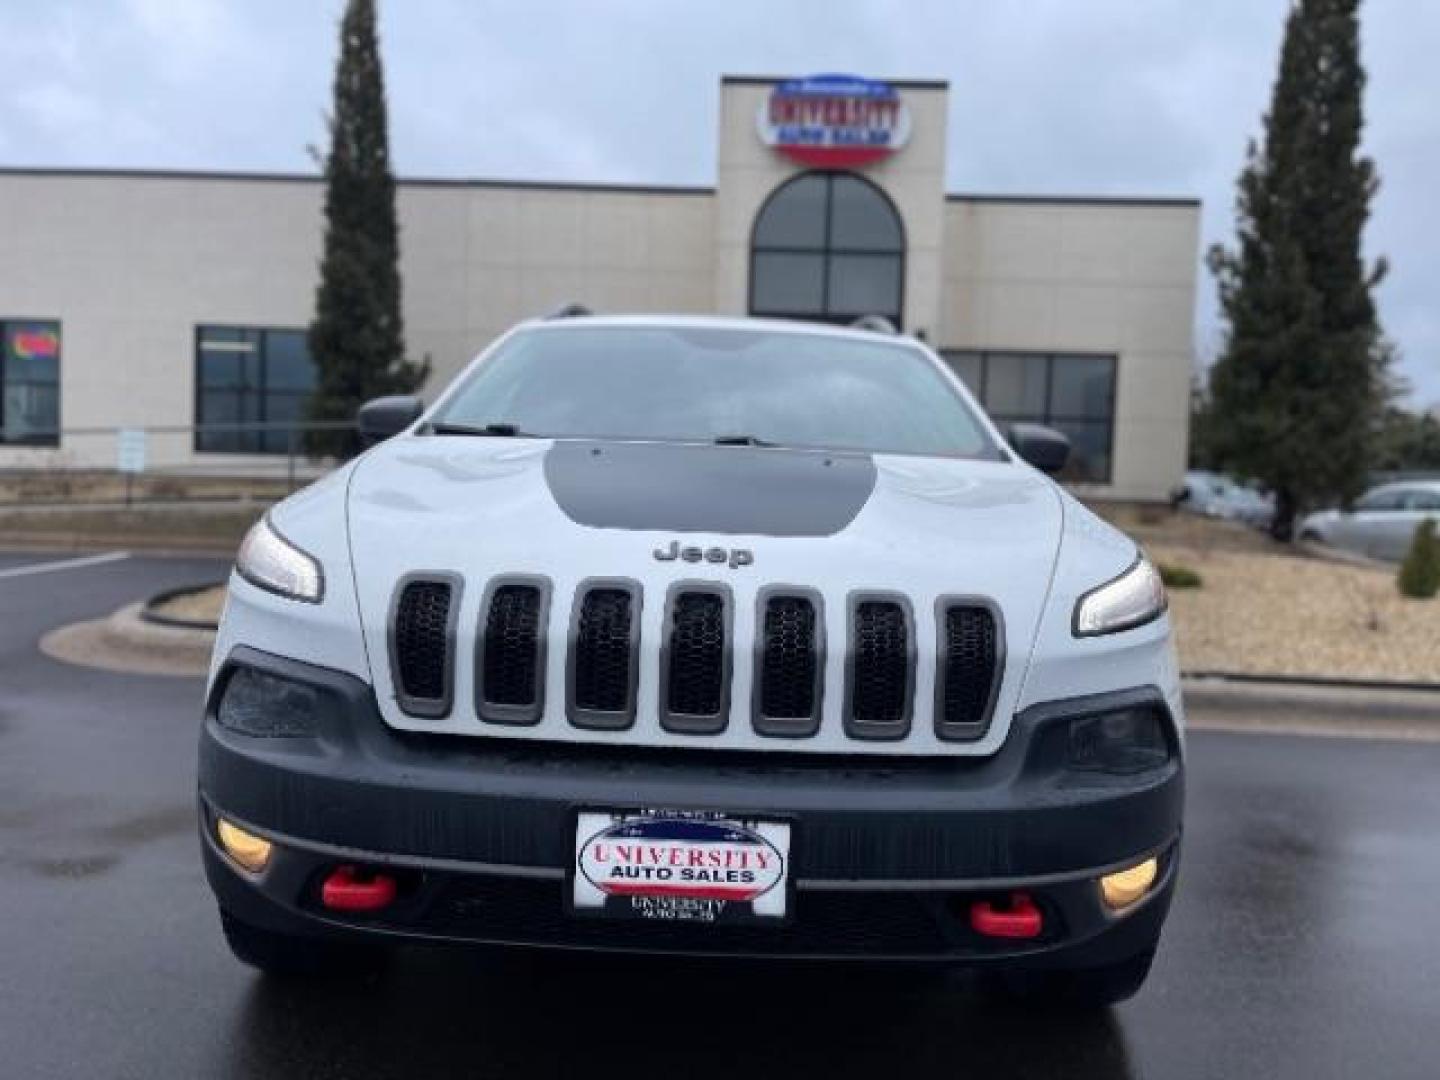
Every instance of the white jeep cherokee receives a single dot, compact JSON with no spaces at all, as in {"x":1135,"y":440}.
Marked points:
{"x":697,"y":636}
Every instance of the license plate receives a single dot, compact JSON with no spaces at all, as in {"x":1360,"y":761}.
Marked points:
{"x":678,"y":866}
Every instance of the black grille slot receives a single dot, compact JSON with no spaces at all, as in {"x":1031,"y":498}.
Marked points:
{"x":881,"y":665}
{"x":969,"y":672}
{"x":423,"y":638}
{"x":603,"y":658}
{"x":788,"y":667}
{"x":697,"y":662}
{"x":512,"y":653}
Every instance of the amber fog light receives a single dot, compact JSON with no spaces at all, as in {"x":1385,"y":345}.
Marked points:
{"x":1124,"y":887}
{"x":250,"y":851}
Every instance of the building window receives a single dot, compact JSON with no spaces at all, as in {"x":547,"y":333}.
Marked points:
{"x":252,"y":389}
{"x":1073,"y":393}
{"x":827,"y":246}
{"x":30,"y":383}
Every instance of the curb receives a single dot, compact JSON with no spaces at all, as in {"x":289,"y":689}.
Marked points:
{"x":150,"y":612}
{"x":1341,"y":682}
{"x":1313,"y":699}
{"x":125,"y":642}
{"x":1342,"y":557}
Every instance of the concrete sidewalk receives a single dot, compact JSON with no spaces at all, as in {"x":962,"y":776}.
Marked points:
{"x":1303,"y":708}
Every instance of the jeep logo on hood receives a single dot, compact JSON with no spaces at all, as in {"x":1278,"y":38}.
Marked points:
{"x":734,"y":557}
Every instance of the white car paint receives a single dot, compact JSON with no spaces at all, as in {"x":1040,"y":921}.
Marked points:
{"x":479,"y":507}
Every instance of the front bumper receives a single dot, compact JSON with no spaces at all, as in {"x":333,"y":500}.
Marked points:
{"x":886,"y":856}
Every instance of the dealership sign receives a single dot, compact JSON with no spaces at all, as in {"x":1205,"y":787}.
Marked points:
{"x":834,"y":121}
{"x":699,"y":867}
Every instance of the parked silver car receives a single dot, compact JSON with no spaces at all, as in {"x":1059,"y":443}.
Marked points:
{"x":1382,"y":522}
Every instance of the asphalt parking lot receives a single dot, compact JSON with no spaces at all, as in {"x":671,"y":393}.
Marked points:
{"x":1300,"y":944}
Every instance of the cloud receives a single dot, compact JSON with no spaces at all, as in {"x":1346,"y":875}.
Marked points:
{"x":1047,"y":96}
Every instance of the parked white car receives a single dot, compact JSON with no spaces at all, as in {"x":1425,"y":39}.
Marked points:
{"x":698,"y":636}
{"x":1218,"y":496}
{"x":1382,"y":522}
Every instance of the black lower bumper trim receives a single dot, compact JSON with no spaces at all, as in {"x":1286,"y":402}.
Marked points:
{"x":358,"y":784}
{"x":492,"y":907}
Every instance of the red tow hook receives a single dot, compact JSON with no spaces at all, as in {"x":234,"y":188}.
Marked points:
{"x":349,"y":889}
{"x":1021,"y":920}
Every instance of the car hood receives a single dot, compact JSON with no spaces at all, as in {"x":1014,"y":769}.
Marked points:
{"x":574,"y":508}
{"x":744,"y":517}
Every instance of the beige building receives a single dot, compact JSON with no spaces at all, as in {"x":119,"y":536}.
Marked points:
{"x":176,"y":301}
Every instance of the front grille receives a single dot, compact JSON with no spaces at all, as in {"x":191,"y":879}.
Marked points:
{"x":685,"y":670}
{"x":511,"y":665}
{"x":602,"y":692}
{"x":881,"y":669}
{"x":697,"y":662}
{"x":968,"y":671}
{"x":422,"y":644}
{"x":788,"y":667}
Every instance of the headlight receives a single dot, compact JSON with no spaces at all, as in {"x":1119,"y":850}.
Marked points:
{"x":1132,"y":599}
{"x":271,"y":562}
{"x":1124,"y":742}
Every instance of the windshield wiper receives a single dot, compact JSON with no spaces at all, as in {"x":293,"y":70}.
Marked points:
{"x":499,"y":431}
{"x":742,"y":440}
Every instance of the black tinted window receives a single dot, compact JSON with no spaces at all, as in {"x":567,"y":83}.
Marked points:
{"x":30,"y":383}
{"x":827,"y":246}
{"x":254,"y":386}
{"x":795,"y":219}
{"x":1073,"y":393}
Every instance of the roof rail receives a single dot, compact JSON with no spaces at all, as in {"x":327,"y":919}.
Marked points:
{"x":876,"y":323}
{"x":571,"y":310}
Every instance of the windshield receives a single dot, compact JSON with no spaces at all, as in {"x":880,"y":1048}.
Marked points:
{"x":700,"y":384}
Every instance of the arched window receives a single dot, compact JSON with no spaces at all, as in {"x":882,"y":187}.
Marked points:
{"x":827,"y":246}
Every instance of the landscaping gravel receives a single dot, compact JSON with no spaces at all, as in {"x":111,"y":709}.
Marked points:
{"x":1269,"y":614}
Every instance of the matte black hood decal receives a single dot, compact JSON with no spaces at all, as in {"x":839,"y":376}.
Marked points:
{"x":677,"y":487}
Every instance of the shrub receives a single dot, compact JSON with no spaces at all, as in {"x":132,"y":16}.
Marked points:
{"x":1180,"y":577}
{"x":1420,"y":572}
{"x":1150,"y":515}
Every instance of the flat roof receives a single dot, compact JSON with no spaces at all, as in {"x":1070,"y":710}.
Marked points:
{"x":771,"y":80}
{"x":43,"y":172}
{"x":1078,"y":200}
{"x":259,"y":177}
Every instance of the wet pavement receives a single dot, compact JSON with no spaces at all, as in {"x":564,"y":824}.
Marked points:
{"x":1300,"y":944}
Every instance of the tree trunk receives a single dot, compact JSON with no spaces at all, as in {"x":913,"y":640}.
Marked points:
{"x":1282,"y":525}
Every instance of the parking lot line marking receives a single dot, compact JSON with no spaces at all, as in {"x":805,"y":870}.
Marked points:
{"x":64,"y":564}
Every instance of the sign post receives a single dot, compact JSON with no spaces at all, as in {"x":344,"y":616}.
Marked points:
{"x":130,"y":456}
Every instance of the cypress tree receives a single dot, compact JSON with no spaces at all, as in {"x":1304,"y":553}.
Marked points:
{"x":1419,"y":576}
{"x":1302,"y":379}
{"x":357,"y":336}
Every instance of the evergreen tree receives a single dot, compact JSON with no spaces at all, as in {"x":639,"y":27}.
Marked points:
{"x":357,"y":336}
{"x":1408,"y":442}
{"x":1203,"y":453}
{"x":1302,"y":380}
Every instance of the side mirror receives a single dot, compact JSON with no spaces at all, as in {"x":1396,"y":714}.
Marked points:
{"x":386,"y":416}
{"x":1043,"y":447}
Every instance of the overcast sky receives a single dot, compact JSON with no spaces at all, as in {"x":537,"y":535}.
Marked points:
{"x":1148,"y":97}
